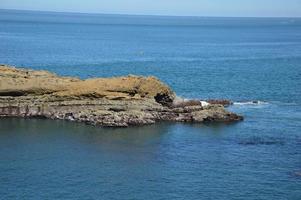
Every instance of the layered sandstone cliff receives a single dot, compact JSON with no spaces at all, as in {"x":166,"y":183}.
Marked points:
{"x":118,"y":101}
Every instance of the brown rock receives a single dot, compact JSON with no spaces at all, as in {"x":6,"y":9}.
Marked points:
{"x":223,"y":102}
{"x":117,"y":101}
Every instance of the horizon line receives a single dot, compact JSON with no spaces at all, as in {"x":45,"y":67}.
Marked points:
{"x":150,"y":15}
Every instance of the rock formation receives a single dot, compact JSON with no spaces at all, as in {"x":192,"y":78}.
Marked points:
{"x":117,"y":101}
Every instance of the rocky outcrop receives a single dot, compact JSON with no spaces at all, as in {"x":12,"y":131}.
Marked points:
{"x":223,"y":102}
{"x":117,"y":101}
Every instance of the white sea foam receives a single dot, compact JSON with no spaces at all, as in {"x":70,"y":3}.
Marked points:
{"x":204,"y":103}
{"x":178,"y":100}
{"x":251,"y":103}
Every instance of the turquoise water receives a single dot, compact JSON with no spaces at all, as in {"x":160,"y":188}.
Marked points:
{"x":242,"y":59}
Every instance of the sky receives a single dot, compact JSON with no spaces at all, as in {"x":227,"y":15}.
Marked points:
{"x":226,"y":8}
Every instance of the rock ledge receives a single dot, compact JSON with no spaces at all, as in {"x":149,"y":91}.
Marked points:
{"x":117,"y":101}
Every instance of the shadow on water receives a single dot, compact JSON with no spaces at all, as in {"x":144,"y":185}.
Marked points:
{"x":140,"y":132}
{"x":212,"y":128}
{"x":133,"y":140}
{"x":68,"y":135}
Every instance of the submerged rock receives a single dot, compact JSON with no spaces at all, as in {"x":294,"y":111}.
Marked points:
{"x":117,"y":101}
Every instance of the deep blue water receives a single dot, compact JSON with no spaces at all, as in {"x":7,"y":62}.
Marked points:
{"x":242,"y":59}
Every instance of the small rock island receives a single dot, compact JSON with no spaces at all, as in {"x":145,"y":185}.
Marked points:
{"x":112,"y":102}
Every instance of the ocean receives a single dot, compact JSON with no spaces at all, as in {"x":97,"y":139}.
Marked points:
{"x":241,"y":59}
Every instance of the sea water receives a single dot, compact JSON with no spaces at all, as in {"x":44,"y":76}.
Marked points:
{"x":255,"y":62}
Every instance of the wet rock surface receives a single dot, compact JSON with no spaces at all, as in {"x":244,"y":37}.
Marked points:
{"x":224,"y":102}
{"x":117,"y":101}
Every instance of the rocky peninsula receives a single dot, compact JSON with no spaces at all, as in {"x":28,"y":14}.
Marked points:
{"x":117,"y":101}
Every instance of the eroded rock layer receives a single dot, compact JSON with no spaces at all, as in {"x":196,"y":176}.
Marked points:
{"x":117,"y":101}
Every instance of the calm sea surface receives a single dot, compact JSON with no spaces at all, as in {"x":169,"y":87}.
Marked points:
{"x":242,"y":59}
